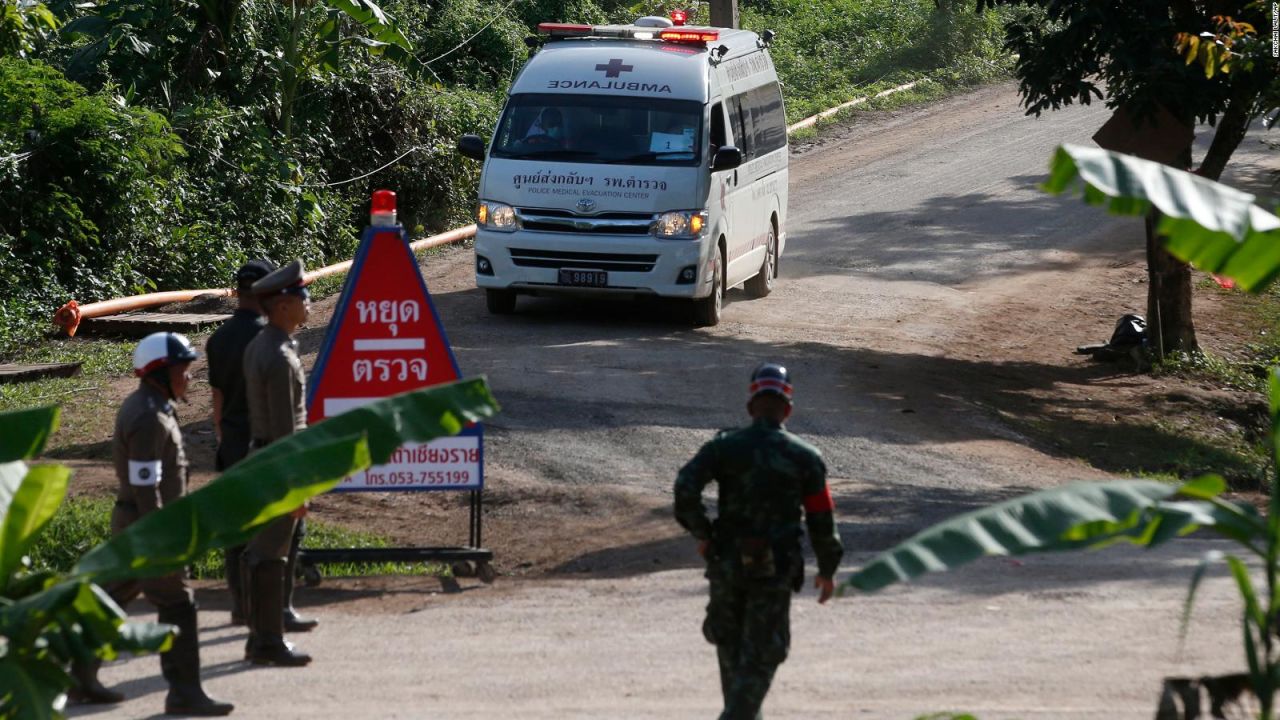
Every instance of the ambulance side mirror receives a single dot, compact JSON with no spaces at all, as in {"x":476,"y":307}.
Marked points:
{"x":471,"y":146}
{"x":727,"y":158}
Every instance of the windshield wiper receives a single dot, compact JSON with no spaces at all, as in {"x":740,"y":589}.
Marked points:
{"x":642,"y":157}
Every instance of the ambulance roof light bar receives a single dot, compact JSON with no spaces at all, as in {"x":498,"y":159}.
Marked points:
{"x":676,"y":34}
{"x":689,"y":35}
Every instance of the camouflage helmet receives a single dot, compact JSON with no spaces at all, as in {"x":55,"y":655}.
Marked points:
{"x":771,"y":378}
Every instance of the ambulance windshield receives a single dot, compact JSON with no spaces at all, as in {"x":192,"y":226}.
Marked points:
{"x":609,"y":129}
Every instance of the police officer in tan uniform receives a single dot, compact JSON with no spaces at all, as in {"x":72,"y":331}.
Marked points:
{"x":151,"y":467}
{"x":275,"y":386}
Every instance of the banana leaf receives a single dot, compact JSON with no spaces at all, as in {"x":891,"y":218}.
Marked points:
{"x":26,"y":432}
{"x":30,"y":508}
{"x":380,"y":27}
{"x":1071,"y":517}
{"x":1215,"y":227}
{"x":30,"y":688}
{"x":279,"y":478}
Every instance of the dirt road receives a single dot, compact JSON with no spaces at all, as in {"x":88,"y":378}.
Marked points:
{"x":921,"y":258}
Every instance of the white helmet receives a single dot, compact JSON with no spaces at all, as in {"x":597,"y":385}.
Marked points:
{"x":160,"y":350}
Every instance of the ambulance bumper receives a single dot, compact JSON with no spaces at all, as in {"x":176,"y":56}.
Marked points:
{"x":531,"y":262}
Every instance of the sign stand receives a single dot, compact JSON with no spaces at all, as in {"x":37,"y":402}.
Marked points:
{"x":386,"y":338}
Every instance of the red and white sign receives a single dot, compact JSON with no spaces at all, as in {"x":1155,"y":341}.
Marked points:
{"x":386,"y":339}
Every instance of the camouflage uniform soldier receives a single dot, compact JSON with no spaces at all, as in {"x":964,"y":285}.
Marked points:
{"x":275,"y":385}
{"x":151,"y":467}
{"x":766,"y":475}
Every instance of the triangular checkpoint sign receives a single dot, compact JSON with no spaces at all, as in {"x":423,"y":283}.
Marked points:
{"x":385,"y":339}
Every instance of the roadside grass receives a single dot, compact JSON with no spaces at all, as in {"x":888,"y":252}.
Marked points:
{"x":1215,"y":419}
{"x":835,"y":51}
{"x":105,"y":360}
{"x":82,"y":396}
{"x":1243,"y":367}
{"x":1171,"y":437}
{"x":83,"y":523}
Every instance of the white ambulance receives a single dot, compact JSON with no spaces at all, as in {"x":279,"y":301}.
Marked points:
{"x":643,"y":159}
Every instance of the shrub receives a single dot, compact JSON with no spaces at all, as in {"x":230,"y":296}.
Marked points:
{"x":87,"y":178}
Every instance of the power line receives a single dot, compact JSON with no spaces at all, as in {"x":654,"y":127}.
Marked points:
{"x":464,"y":43}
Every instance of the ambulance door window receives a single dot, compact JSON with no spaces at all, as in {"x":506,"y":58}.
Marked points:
{"x":740,"y":121}
{"x":718,"y":139}
{"x":768,"y":119}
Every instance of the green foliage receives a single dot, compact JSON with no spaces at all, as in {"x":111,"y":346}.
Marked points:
{"x":45,"y":622}
{"x":1041,"y":522}
{"x":83,"y":523}
{"x":48,"y":620}
{"x":229,"y":511}
{"x":487,"y":62}
{"x":30,"y":431}
{"x":22,"y":25}
{"x":1211,"y":221}
{"x":1125,"y":50}
{"x":831,"y":51}
{"x":86,"y":181}
{"x":193,"y":97}
{"x":1215,"y":227}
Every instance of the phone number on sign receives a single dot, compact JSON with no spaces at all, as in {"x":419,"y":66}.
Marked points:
{"x":423,"y":477}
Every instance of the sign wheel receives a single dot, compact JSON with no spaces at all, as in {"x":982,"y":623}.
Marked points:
{"x":311,"y":576}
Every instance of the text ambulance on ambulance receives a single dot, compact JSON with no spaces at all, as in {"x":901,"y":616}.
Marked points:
{"x":644,"y":159}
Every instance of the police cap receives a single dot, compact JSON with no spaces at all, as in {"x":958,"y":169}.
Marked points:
{"x":771,"y":378}
{"x":253,"y":271}
{"x":286,"y":280}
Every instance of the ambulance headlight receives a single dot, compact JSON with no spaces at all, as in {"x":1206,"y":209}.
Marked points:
{"x":497,"y":216}
{"x":686,"y":224}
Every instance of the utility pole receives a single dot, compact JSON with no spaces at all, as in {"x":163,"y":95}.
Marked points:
{"x":724,"y":13}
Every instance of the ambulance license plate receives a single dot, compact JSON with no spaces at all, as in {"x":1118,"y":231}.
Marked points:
{"x":584,"y":278}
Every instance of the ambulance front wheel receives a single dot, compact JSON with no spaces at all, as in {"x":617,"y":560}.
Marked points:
{"x":762,"y":284}
{"x":500,"y":302}
{"x":706,"y":312}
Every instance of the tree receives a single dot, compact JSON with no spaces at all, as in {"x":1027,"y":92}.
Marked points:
{"x":1127,"y":54}
{"x":1220,"y":230}
{"x":22,"y":23}
{"x":47,"y":620}
{"x":160,"y":46}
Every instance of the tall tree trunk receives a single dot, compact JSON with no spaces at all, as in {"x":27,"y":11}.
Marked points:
{"x":1169,"y":322}
{"x":1232,"y":127}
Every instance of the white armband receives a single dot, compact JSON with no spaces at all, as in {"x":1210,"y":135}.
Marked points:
{"x":144,"y":473}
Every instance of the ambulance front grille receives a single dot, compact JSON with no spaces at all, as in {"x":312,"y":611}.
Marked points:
{"x":564,"y":221}
{"x":613,"y":262}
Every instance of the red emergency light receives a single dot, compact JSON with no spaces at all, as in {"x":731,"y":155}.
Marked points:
{"x":564,"y":29}
{"x":690,"y":35}
{"x":382,"y":209}
{"x":679,"y":17}
{"x":384,"y":201}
